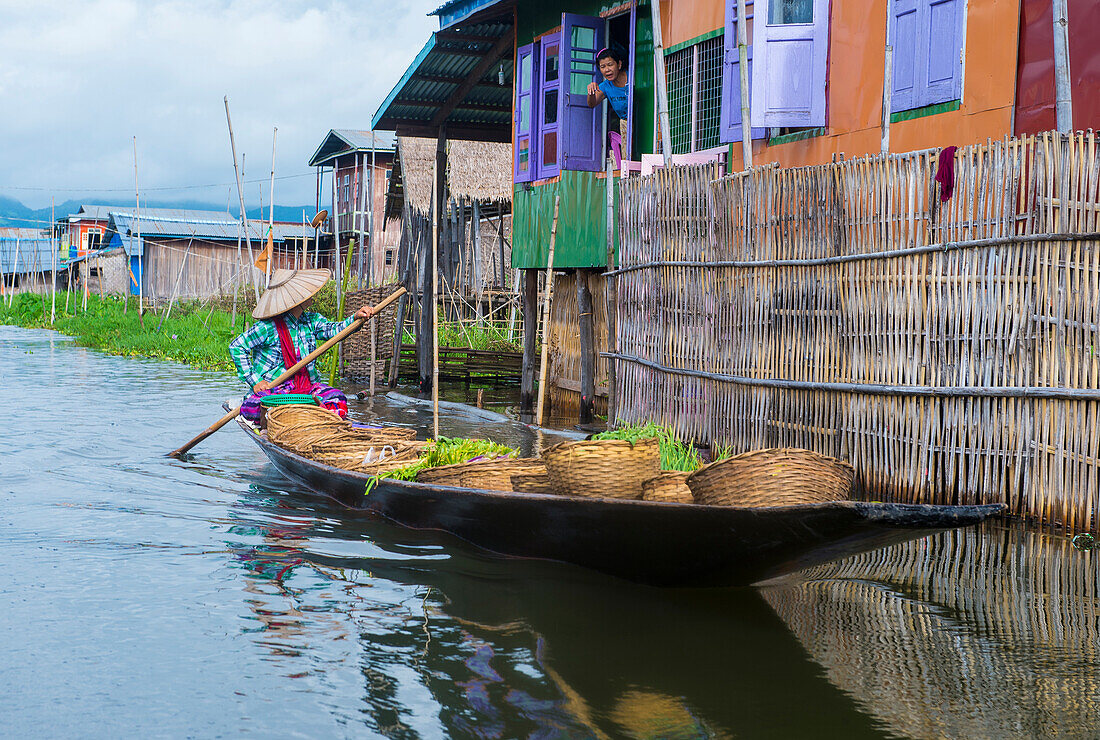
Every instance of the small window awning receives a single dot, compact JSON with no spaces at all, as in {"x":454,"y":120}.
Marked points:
{"x":456,"y":80}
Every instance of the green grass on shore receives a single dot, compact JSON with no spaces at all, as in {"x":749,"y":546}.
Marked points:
{"x":195,"y":334}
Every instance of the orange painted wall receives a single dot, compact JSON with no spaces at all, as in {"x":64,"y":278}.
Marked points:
{"x":856,"y":58}
{"x":683,"y":20}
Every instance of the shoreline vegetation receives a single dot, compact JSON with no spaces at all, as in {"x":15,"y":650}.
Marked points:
{"x":197,"y":332}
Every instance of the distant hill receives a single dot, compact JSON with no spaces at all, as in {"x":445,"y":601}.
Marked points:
{"x":14,"y":213}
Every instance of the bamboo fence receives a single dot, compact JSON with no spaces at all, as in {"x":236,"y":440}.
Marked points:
{"x":948,"y":350}
{"x":972,"y":633}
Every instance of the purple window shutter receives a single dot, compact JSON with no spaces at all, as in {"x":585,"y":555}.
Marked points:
{"x":904,"y":37}
{"x":523,"y":146}
{"x":789,"y":73}
{"x":548,"y":107}
{"x":942,"y":37}
{"x":730,"y":121}
{"x":581,"y":127}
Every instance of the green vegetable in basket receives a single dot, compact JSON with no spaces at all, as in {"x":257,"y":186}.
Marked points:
{"x":445,"y":451}
{"x":675,"y":455}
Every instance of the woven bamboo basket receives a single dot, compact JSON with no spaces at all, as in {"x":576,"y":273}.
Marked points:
{"x":535,"y":480}
{"x":772,"y":477}
{"x":604,"y":468}
{"x":670,"y":486}
{"x":323,"y":436}
{"x":372,"y":459}
{"x":489,"y":474}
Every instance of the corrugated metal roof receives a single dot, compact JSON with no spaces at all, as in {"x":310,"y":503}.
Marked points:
{"x":21,"y":232}
{"x":344,"y":140}
{"x":446,"y":61}
{"x":456,"y":11}
{"x":181,"y":224}
{"x":34,"y":254}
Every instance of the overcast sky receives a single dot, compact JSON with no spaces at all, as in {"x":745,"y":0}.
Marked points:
{"x":80,"y":78}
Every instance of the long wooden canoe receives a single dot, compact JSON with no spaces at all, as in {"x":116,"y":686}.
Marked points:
{"x":661,"y":544}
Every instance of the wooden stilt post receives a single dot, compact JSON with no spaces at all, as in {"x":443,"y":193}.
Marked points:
{"x":437,"y":184}
{"x":530,"y":332}
{"x":611,"y":295}
{"x":544,"y":358}
{"x":53,"y":266}
{"x":588,"y":347}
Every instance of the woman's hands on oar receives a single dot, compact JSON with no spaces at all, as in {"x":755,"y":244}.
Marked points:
{"x":361,"y":317}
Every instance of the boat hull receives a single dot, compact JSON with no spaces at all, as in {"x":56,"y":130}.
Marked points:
{"x":660,"y":544}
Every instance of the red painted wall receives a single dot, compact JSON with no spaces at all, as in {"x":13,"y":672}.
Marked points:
{"x":1035,"y":79}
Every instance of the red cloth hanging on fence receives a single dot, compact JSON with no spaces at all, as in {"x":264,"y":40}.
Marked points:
{"x":302,"y":382}
{"x":945,"y":173}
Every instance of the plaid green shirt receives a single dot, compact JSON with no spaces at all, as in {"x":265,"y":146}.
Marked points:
{"x":256,"y":351}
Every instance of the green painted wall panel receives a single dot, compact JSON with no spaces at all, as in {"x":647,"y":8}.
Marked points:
{"x":582,"y":222}
{"x":582,"y":231}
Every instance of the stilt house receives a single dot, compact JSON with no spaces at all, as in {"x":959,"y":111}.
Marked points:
{"x":356,"y":167}
{"x":824,"y":79}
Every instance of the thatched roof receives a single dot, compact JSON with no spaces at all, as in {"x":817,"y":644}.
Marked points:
{"x":476,"y":170}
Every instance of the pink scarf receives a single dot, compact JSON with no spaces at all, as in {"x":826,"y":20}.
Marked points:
{"x":301,"y":380}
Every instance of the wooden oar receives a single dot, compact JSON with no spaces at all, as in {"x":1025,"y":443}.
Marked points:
{"x":355,"y":325}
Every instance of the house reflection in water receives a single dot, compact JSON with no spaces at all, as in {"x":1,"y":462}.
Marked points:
{"x":973,"y":633}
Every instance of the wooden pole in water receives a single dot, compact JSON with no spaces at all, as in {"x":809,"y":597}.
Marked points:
{"x":360,"y":202}
{"x":587,"y":346}
{"x":240,"y":197}
{"x":271,"y":207}
{"x":437,"y":185}
{"x":53,"y":266}
{"x":546,"y":314}
{"x":141,"y":246}
{"x":611,"y":294}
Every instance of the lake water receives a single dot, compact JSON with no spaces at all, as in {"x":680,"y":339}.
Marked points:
{"x":145,"y":596}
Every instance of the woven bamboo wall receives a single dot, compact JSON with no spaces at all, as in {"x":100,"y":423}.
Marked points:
{"x":357,"y":348}
{"x":975,"y":634}
{"x":890,"y":332}
{"x":564,"y":351}
{"x":111,"y":273}
{"x":200,"y":269}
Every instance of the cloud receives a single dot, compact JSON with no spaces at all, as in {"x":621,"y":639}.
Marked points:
{"x":78,"y":80}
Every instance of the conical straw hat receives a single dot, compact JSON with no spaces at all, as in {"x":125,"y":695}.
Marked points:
{"x":287,"y":289}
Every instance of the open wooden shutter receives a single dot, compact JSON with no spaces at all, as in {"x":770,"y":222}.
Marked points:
{"x":582,"y":37}
{"x":547,"y":124}
{"x":524,"y":142}
{"x":730,"y":121}
{"x":790,"y":46}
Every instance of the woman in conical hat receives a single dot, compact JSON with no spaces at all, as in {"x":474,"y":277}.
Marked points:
{"x":284,"y":333}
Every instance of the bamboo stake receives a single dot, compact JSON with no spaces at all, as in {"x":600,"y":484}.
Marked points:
{"x":433,"y":304}
{"x":544,"y":360}
{"x":271,"y":209}
{"x":240,"y":197}
{"x":743,"y":70}
{"x":140,"y":245}
{"x":53,"y":265}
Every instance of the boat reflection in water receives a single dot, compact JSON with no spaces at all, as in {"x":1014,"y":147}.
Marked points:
{"x":988,"y":632}
{"x":972,"y":633}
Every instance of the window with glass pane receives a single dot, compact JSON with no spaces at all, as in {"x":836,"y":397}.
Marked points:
{"x":524,"y":155}
{"x":550,"y":148}
{"x":550,"y":107}
{"x":550,"y":72}
{"x":783,"y":12}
